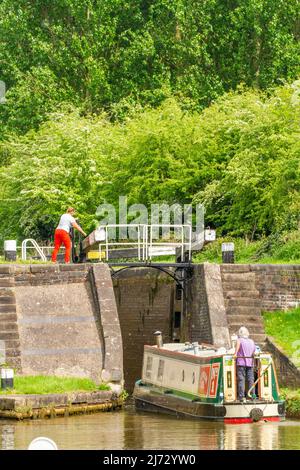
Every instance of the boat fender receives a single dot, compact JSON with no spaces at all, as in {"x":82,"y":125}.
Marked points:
{"x":256,"y":414}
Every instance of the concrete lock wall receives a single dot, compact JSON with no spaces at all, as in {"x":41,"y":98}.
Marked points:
{"x":61,"y":320}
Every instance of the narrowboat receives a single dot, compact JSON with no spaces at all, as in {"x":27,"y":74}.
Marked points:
{"x":199,"y":381}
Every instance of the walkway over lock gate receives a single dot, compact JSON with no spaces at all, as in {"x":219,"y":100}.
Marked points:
{"x":143,"y":241}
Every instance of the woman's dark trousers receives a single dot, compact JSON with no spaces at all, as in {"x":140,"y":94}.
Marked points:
{"x":243,"y":374}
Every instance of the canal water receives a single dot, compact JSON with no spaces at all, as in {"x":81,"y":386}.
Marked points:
{"x":128,"y":429}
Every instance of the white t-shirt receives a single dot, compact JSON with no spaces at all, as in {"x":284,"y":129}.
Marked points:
{"x":66,"y":222}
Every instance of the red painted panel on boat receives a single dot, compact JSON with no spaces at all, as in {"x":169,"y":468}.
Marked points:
{"x":204,"y":379}
{"x":214,"y":380}
{"x":249,"y":420}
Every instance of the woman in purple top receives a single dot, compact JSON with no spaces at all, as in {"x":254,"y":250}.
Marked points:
{"x":244,"y":352}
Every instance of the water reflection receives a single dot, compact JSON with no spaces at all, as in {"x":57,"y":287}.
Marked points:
{"x":8,"y":437}
{"x":259,"y":436}
{"x":130,"y":430}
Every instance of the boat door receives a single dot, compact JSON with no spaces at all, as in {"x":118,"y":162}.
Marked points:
{"x":265,"y":377}
{"x":229,"y":378}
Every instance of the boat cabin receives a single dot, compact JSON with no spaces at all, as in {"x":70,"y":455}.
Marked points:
{"x":198,"y":371}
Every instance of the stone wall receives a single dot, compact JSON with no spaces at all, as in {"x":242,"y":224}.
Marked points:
{"x":9,"y":332}
{"x":65,"y":321}
{"x":252,"y":289}
{"x":205,"y":313}
{"x":288,"y":374}
{"x":245,"y":290}
{"x":242,"y":301}
{"x":58,"y":323}
{"x":197,"y":314}
{"x":145,"y":300}
{"x":278,"y":285}
{"x":104,"y":298}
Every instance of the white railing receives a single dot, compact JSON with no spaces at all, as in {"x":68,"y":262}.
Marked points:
{"x":35,"y":245}
{"x":182,"y":244}
{"x":145,"y":242}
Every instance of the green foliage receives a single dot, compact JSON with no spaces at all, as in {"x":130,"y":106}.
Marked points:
{"x":115,"y":54}
{"x":277,"y":248}
{"x":257,"y":191}
{"x":245,"y":251}
{"x":56,"y":167}
{"x":239,"y":157}
{"x":35,"y":95}
{"x":292,"y":405}
{"x":284,"y":327}
{"x":42,"y":384}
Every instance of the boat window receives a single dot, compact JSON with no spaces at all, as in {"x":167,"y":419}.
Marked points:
{"x":160,"y":371}
{"x":229,"y":379}
{"x":149,"y":367}
{"x":266,"y":379}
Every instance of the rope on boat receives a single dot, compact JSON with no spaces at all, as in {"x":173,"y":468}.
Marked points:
{"x":257,"y":380}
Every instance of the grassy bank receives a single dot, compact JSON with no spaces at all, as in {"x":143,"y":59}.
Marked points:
{"x":276,"y":249}
{"x":40,"y":384}
{"x":292,"y":402}
{"x":284,"y":327}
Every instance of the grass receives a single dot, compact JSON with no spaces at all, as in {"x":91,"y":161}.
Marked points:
{"x":292,"y":402}
{"x":212,"y":252}
{"x":284,"y":327}
{"x":41,"y":384}
{"x":276,"y":249}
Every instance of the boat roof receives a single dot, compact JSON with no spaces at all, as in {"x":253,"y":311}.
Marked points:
{"x":200,"y":350}
{"x":195,"y":349}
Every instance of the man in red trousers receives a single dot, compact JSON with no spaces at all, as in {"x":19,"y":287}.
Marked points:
{"x":62,"y":234}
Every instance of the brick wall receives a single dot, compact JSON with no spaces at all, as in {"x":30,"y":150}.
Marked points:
{"x":145,"y":304}
{"x":288,"y":374}
{"x":274,"y":287}
{"x":37,"y":275}
{"x":278,"y":285}
{"x":9,"y":333}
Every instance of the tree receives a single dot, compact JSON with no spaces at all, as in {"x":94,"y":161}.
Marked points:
{"x":113,"y":55}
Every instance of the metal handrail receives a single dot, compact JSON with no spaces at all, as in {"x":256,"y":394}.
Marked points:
{"x":107,"y":243}
{"x":34,"y":245}
{"x":258,"y":379}
{"x":144,"y":245}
